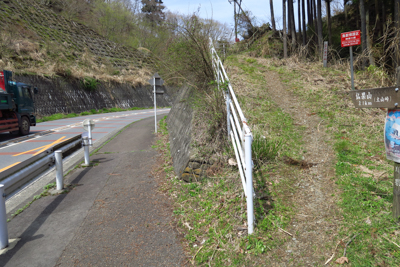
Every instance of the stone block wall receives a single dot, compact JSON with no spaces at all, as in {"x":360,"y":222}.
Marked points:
{"x":180,"y":125}
{"x":60,"y":95}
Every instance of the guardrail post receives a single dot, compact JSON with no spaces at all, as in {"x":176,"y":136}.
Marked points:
{"x":85,"y":140}
{"x":249,"y":183}
{"x":3,"y":219}
{"x":59,"y":170}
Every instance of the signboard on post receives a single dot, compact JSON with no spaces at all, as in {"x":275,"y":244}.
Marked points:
{"x":325,"y":54}
{"x":387,"y":97}
{"x":350,"y":38}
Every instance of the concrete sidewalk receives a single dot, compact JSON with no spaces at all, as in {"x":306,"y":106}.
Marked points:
{"x":114,"y":216}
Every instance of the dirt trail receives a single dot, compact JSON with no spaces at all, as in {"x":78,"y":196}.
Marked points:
{"x":315,"y":223}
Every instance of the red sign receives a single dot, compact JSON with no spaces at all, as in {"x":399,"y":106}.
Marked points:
{"x":2,"y":83}
{"x":351,"y":38}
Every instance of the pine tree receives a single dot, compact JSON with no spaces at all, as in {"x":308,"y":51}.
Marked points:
{"x":154,"y":11}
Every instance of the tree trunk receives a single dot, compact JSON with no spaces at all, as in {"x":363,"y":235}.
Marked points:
{"x":345,"y":10}
{"x":271,"y":4}
{"x":310,"y":18}
{"x":299,"y":19}
{"x":284,"y":30}
{"x":293,"y":29}
{"x":235,"y":17}
{"x":310,"y":13}
{"x":383,"y":15}
{"x":328,"y":11}
{"x":320,"y":37}
{"x":289,"y":16}
{"x":369,"y":40}
{"x":304,"y":22}
{"x":377,"y":20}
{"x":315,"y":23}
{"x":363,"y":33}
{"x":397,"y":49}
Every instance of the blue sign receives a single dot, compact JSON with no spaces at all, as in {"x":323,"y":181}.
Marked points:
{"x":392,"y":135}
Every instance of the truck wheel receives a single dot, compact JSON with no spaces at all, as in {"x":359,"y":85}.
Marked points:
{"x":25,"y":126}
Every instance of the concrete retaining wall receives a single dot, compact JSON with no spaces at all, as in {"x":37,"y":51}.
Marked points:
{"x":60,"y":95}
{"x":180,"y":125}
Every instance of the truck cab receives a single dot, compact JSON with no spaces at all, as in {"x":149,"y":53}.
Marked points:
{"x":16,"y":105}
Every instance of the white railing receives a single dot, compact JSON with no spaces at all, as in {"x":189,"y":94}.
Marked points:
{"x":240,"y":135}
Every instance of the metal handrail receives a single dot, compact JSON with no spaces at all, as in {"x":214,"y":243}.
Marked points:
{"x":24,"y":172}
{"x":240,"y":135}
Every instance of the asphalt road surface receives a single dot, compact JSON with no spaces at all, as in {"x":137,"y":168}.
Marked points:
{"x":47,"y":134}
{"x":114,"y":215}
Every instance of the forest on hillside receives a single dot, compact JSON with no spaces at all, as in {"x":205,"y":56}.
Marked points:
{"x":148,"y":24}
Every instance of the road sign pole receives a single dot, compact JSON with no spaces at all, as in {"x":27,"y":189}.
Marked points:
{"x":351,"y":68}
{"x":155,"y":105}
{"x":396,"y":191}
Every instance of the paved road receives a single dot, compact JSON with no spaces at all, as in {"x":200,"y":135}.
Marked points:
{"x":61,"y":130}
{"x":114,"y":216}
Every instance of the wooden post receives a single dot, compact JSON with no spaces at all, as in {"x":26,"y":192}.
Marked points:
{"x":396,"y":191}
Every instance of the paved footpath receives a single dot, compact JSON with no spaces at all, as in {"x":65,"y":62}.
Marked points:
{"x":114,"y":216}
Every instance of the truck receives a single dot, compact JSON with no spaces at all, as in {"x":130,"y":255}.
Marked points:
{"x":16,"y":105}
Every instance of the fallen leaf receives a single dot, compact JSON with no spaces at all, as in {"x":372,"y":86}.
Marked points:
{"x":342,"y":260}
{"x":188,"y":226}
{"x":232,"y":162}
{"x":368,"y":221}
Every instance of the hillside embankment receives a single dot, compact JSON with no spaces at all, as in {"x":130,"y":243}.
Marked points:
{"x":75,"y":68}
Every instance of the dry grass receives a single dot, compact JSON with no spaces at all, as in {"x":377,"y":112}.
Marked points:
{"x":22,"y":55}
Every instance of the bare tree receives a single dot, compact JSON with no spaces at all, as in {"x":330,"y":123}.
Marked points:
{"x":299,"y":18}
{"x":284,"y":30}
{"x":328,"y":11}
{"x":363,"y":31}
{"x":369,"y":38}
{"x":292,"y":25}
{"x":271,"y":4}
{"x":315,"y":21}
{"x":397,"y":47}
{"x":320,"y":37}
{"x":304,"y":22}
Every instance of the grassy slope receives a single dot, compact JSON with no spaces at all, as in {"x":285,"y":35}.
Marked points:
{"x":208,"y":213}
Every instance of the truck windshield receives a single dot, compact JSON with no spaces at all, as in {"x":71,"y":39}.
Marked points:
{"x":24,"y":92}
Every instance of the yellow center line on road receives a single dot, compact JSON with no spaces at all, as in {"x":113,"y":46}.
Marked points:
{"x":9,"y":166}
{"x":42,"y":148}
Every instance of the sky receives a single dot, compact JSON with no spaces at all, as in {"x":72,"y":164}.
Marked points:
{"x":222,"y":11}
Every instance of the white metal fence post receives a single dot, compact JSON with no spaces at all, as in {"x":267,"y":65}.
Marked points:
{"x":3,"y":219}
{"x":218,"y":75}
{"x":249,"y":183}
{"x":228,"y":112}
{"x":59,"y":170}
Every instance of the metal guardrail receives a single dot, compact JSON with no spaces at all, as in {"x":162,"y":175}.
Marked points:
{"x":15,"y":177}
{"x":240,"y":134}
{"x":25,"y":171}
